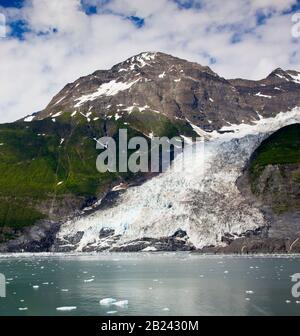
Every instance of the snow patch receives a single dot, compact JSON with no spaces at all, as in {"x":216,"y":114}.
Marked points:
{"x":262,"y":95}
{"x":162,"y":75}
{"x":29,"y":119}
{"x":107,"y":89}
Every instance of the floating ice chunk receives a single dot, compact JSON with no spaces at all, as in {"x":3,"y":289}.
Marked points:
{"x":249,"y":292}
{"x":288,"y":301}
{"x":166,"y":309}
{"x":225,"y":272}
{"x":64,"y":290}
{"x":247,"y":299}
{"x":88,"y":280}
{"x":107,"y":301}
{"x":35,"y":287}
{"x":122,"y":303}
{"x":112,"y":312}
{"x":66,"y":308}
{"x":23,"y":308}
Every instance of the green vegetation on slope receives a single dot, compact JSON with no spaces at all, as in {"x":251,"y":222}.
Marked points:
{"x":44,"y":160}
{"x":275,"y":169}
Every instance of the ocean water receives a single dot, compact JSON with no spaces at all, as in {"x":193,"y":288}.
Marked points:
{"x":153,"y":284}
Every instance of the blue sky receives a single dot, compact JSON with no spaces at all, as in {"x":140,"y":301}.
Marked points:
{"x":50,"y":43}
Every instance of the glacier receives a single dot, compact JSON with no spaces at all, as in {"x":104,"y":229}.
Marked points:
{"x":201,"y":199}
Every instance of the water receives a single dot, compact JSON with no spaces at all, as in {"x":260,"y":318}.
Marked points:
{"x":153,"y":284}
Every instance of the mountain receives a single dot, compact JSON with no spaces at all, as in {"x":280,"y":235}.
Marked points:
{"x":48,"y":173}
{"x":173,"y":91}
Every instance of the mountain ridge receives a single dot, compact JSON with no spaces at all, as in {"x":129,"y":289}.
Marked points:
{"x":178,"y":89}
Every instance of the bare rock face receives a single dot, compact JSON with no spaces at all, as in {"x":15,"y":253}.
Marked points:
{"x":177,"y":89}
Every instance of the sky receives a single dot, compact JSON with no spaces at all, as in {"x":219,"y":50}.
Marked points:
{"x":49,"y":43}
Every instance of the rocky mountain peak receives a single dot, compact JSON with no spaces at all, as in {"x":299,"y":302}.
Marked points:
{"x":153,"y":84}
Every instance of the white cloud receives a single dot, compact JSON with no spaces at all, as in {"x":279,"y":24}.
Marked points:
{"x":33,"y":70}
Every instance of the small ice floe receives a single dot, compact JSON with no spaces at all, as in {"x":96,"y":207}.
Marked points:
{"x":166,"y":309}
{"x":64,"y":290}
{"x":107,"y":301}
{"x":45,"y":283}
{"x":35,"y":287}
{"x":21,"y":300}
{"x":225,"y":272}
{"x":288,"y":301}
{"x":69,"y":308}
{"x":247,"y":299}
{"x":297,"y":302}
{"x":88,"y":280}
{"x":111,"y":312}
{"x":23,"y":308}
{"x":122,"y":303}
{"x":249,"y":292}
